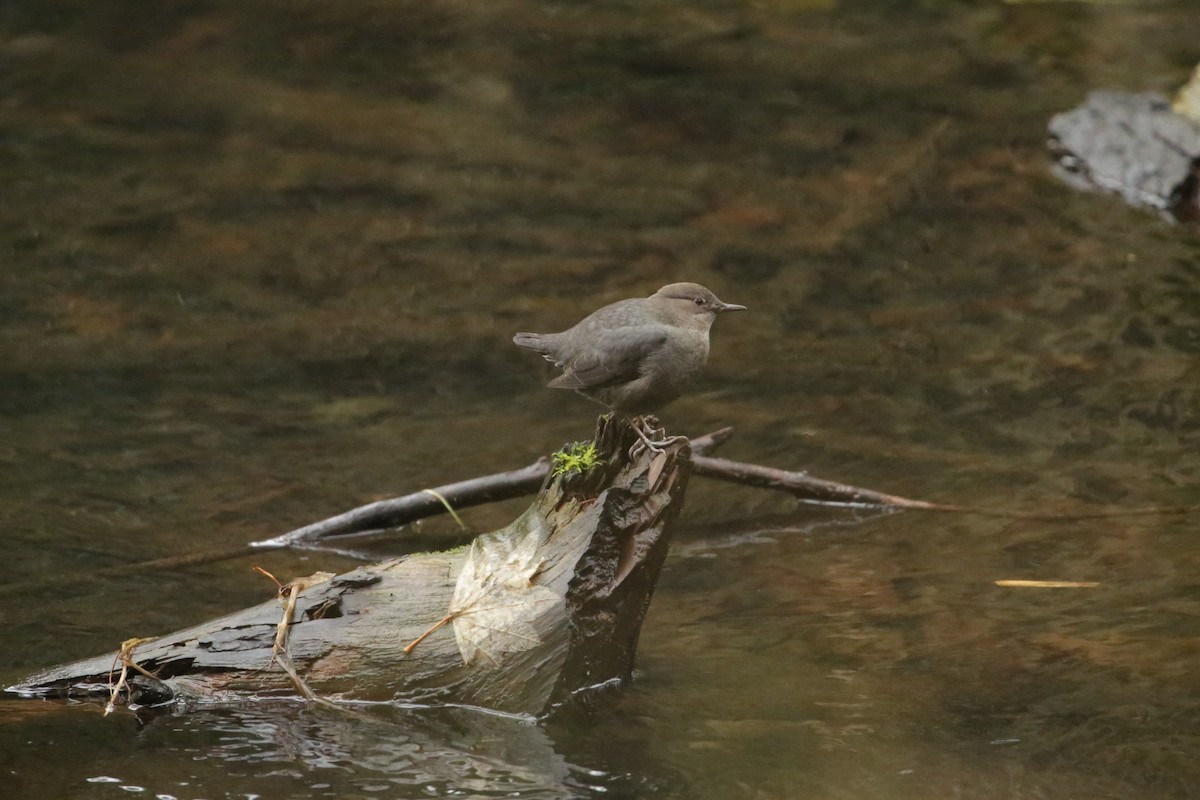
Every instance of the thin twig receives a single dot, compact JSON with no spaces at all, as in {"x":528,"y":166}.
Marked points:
{"x":802,"y":485}
{"x":125,"y":656}
{"x":820,"y":491}
{"x":413,"y":644}
{"x":289,"y":594}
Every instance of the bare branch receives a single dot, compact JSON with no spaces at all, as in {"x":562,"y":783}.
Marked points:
{"x":428,"y":502}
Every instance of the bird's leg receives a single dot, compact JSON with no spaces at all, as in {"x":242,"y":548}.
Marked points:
{"x":643,"y":443}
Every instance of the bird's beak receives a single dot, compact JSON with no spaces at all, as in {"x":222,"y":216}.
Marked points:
{"x":730,"y":307}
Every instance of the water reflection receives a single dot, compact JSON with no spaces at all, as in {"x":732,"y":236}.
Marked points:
{"x":274,"y":750}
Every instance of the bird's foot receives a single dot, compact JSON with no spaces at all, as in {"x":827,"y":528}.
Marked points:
{"x":651,"y":438}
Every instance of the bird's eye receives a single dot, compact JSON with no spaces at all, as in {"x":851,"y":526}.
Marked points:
{"x":699,"y":301}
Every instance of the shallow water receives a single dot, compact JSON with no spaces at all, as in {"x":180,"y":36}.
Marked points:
{"x":260,"y":266}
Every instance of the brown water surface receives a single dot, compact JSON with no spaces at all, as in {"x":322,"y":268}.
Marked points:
{"x":260,"y":263}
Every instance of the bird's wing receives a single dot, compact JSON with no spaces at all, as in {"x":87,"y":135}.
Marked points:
{"x":612,"y":358}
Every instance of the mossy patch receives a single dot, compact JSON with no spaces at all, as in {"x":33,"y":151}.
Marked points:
{"x":578,"y":457}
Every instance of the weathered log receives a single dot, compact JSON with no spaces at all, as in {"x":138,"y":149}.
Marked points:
{"x":530,"y":614}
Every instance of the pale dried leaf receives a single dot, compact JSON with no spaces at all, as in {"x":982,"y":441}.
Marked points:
{"x":496,"y":598}
{"x":1187,"y":102}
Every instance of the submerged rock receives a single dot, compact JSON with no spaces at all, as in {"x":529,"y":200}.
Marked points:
{"x":1133,"y":144}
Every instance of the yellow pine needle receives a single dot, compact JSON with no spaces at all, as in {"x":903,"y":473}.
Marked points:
{"x":1019,"y":584}
{"x":449,"y":507}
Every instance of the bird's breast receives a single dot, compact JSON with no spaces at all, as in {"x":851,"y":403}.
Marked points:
{"x":683,"y":355}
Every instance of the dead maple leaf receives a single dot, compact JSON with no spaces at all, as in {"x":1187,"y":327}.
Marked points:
{"x":496,"y":599}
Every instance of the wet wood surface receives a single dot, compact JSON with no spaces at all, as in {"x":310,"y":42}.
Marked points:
{"x":553,"y":604}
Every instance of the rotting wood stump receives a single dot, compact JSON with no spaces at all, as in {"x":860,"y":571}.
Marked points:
{"x":518,"y":621}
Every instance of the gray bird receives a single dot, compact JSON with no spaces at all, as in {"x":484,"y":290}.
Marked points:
{"x":635,"y":355}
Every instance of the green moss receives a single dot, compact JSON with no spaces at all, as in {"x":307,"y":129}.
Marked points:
{"x":579,"y":457}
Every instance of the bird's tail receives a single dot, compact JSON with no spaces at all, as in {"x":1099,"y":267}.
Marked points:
{"x":537,"y":342}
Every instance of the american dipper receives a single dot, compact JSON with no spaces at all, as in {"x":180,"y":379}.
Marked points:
{"x":634,"y":355}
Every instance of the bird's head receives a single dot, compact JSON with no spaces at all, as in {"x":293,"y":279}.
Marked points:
{"x":692,"y":302}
